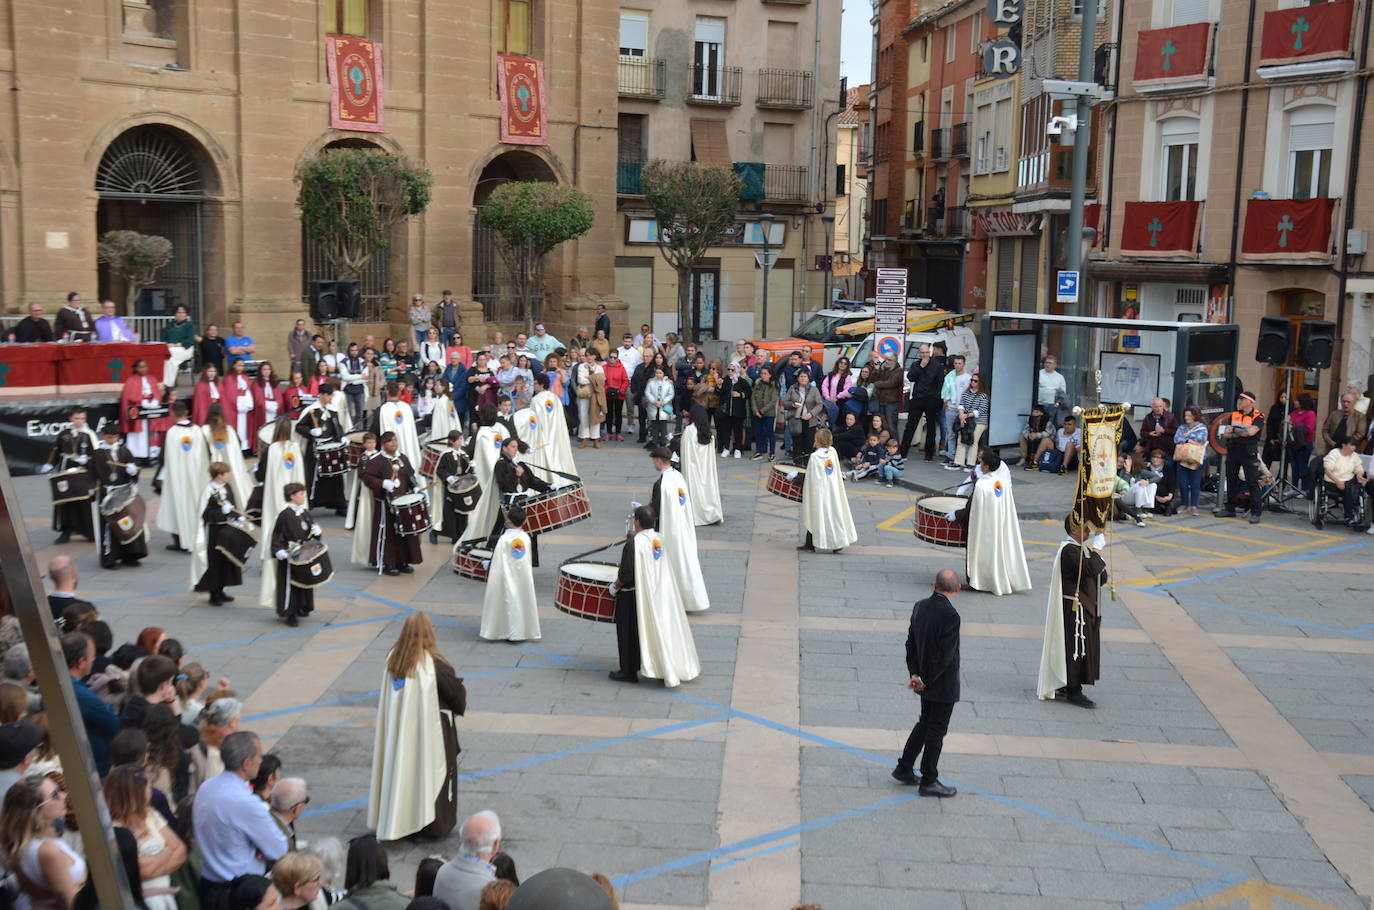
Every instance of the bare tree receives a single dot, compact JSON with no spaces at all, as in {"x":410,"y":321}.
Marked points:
{"x":134,"y":258}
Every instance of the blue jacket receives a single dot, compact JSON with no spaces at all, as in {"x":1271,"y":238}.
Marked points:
{"x":456,"y":375}
{"x":101,"y":724}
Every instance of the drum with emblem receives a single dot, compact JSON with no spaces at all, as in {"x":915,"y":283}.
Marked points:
{"x":466,"y":491}
{"x":237,"y":540}
{"x":309,"y":565}
{"x":125,"y":512}
{"x":75,"y":485}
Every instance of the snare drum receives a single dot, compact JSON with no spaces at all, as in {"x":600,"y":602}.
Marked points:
{"x":584,"y":589}
{"x":309,"y":565}
{"x":557,"y":508}
{"x":472,"y":563}
{"x":331,"y":459}
{"x":466,"y":493}
{"x":429,"y":458}
{"x":788,"y":487}
{"x":353,"y":442}
{"x":75,"y":485}
{"x":933,"y":527}
{"x":237,"y":540}
{"x":125,"y":511}
{"x":411,"y":513}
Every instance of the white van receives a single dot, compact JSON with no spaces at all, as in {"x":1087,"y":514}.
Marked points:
{"x":958,"y":339}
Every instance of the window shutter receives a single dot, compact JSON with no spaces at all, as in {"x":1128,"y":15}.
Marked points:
{"x":1188,"y":12}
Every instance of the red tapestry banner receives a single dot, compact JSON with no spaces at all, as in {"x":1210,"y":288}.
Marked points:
{"x":524,"y":106}
{"x":1158,"y":229}
{"x":355,"y":84}
{"x":1306,"y":33}
{"x":1288,"y":229}
{"x":1168,"y":55}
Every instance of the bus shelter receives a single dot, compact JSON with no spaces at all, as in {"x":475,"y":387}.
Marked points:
{"x":1187,"y":363}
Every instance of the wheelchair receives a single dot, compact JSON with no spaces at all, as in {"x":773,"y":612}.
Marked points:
{"x":1326,"y":505}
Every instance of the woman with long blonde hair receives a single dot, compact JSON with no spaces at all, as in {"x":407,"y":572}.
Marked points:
{"x":49,"y":872}
{"x":160,"y":851}
{"x":415,"y":759}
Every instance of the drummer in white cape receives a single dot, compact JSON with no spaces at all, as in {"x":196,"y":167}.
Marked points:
{"x":826,"y":521}
{"x":551,"y":443}
{"x":672,"y":507}
{"x":184,"y":462}
{"x":217,"y":507}
{"x":395,"y":416}
{"x":1071,"y":656}
{"x":509,"y":610}
{"x":512,"y":479}
{"x":651,"y":629}
{"x":996,"y":557}
{"x":360,"y":504}
{"x":293,"y":526}
{"x":115,"y":469}
{"x":486,"y":451}
{"x":696,"y":453}
{"x":318,"y":425}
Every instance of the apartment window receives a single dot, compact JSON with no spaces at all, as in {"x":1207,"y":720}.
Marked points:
{"x":1311,"y":136}
{"x":976,"y":32}
{"x":1179,"y":136}
{"x":634,"y":34}
{"x":515,"y":27}
{"x":980,"y":153}
{"x":841,"y":185}
{"x":951,"y":42}
{"x":1188,"y":12}
{"x":1076,"y":12}
{"x":345,"y":17}
{"x":708,"y":56}
{"x":925,"y":49}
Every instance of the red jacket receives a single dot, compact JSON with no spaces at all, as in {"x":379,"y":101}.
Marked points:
{"x":616,"y":377}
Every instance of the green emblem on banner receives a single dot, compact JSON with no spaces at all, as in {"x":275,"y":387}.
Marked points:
{"x":1155,"y":227}
{"x":114,"y":366}
{"x":1298,"y":29}
{"x":1284,"y":226}
{"x":1168,"y":51}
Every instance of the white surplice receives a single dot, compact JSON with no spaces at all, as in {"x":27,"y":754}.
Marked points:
{"x":680,"y":537}
{"x":509,"y":609}
{"x":408,"y":758}
{"x":185,"y":472}
{"x":359,"y":519}
{"x":486,"y":450}
{"x":666,"y":648}
{"x":825,"y":508}
{"x":996,"y":556}
{"x":397,"y":417}
{"x":699,"y":467}
{"x":551,"y":432}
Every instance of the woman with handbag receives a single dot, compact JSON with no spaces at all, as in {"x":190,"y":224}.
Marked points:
{"x":1190,"y":454}
{"x":617,"y":384}
{"x":971,"y":423}
{"x":590,"y":386}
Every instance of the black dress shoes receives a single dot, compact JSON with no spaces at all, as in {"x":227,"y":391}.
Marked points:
{"x":807,"y":546}
{"x":905,"y":776}
{"x":292,"y":621}
{"x":407,"y":570}
{"x":216,"y":601}
{"x":227,"y":598}
{"x":624,"y":676}
{"x":935,"y":788}
{"x":62,"y":538}
{"x":1079,"y":699}
{"x":391,"y":570}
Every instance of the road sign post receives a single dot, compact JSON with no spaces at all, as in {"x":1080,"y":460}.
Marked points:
{"x":889,"y":314}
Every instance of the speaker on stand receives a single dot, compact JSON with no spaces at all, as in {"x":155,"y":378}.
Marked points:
{"x":1316,"y":344}
{"x":1275,"y":340}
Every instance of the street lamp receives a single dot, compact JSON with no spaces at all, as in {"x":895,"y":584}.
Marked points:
{"x":766,"y":222}
{"x":826,"y":222}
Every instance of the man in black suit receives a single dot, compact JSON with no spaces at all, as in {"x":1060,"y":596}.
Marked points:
{"x":62,"y":571}
{"x":932,"y":659}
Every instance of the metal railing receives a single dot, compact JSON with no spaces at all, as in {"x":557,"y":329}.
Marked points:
{"x":642,"y":77}
{"x":784,"y":89}
{"x":939,"y":144}
{"x":627,"y":178}
{"x":785,"y":183}
{"x":715,"y":84}
{"x":958,"y":140}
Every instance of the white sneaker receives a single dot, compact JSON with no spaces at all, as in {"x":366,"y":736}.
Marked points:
{"x":737,"y":455}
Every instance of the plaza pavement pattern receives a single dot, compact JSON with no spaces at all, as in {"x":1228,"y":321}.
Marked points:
{"x":1230,"y":762}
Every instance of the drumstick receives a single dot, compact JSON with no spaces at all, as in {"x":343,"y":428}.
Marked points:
{"x":531,"y":464}
{"x":579,"y":556}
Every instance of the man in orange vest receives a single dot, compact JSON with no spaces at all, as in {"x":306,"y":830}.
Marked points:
{"x":1242,"y":451}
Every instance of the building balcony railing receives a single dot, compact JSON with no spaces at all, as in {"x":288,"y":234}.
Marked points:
{"x":786,"y":183}
{"x":627,"y":178}
{"x":643,"y":77}
{"x":953,"y":223}
{"x":958,"y":141}
{"x":939,"y":144}
{"x":787,"y":89}
{"x":715,"y":85}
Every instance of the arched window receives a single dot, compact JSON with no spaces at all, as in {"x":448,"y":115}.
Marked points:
{"x":1311,"y":137}
{"x":1178,"y":159}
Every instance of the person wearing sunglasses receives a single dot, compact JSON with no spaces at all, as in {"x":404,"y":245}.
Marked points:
{"x":49,"y":872}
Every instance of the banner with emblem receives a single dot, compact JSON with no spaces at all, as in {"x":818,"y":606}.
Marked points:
{"x":1287,"y":229}
{"x":524,"y":106}
{"x":1303,"y":34}
{"x":1092,"y":501}
{"x":1158,"y":229}
{"x":355,"y":84}
{"x":1164,"y":56}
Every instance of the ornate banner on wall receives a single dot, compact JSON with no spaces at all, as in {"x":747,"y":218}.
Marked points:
{"x":1306,"y":33}
{"x":524,"y":107}
{"x":1287,"y":229}
{"x":1161,"y":229}
{"x":1167,"y":55}
{"x":355,"y":84}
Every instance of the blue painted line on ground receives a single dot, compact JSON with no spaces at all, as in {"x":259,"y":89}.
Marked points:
{"x":300,"y":709}
{"x":1264,"y":565}
{"x":1197,"y":892}
{"x":739,"y":859}
{"x":1283,"y":620}
{"x":1361,"y":629}
{"x":354,"y":592}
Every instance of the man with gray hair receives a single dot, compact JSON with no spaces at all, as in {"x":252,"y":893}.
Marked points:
{"x":18,"y":669}
{"x":233,"y":827}
{"x":1356,"y":388}
{"x":460,"y":881}
{"x":289,"y":799}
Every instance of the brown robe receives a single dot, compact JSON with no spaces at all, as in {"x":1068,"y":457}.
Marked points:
{"x":453,"y":701}
{"x":1082,"y":572}
{"x":395,"y":550}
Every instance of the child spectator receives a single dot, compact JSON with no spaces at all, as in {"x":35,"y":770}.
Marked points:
{"x":868,"y":459}
{"x":890,"y":467}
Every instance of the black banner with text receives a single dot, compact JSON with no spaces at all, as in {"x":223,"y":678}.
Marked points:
{"x":29,"y":429}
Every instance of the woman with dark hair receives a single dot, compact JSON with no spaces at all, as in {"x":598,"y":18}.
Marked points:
{"x":482,"y":384}
{"x":1189,"y":470}
{"x":49,"y":872}
{"x":208,"y":390}
{"x":617,"y":393}
{"x":387,"y":358}
{"x":763,"y":405}
{"x":319,"y":377}
{"x":1275,"y":425}
{"x":697,"y":456}
{"x":504,"y":867}
{"x":268,"y":400}
{"x":424,"y":875}
{"x":253,"y":892}
{"x":1301,"y":434}
{"x":160,"y":851}
{"x":837,"y":388}
{"x":366,"y":878}
{"x":850,"y":436}
{"x":269,"y":772}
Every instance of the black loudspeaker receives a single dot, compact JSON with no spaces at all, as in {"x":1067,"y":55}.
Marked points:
{"x":1275,"y":338}
{"x":330,"y":300}
{"x":1316,"y":341}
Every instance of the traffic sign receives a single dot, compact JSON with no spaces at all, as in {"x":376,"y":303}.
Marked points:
{"x":1066,"y":289}
{"x":888,"y":345}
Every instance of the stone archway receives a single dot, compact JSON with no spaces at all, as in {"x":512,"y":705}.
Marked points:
{"x":491,"y":285}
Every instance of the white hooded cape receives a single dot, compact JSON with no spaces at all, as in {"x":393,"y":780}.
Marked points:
{"x":397,"y":417}
{"x":185,"y":473}
{"x":509,"y":609}
{"x":485,"y":450}
{"x":338,"y":403}
{"x":1054,"y":666}
{"x":680,"y":538}
{"x":408,"y":761}
{"x":554,"y":444}
{"x":825,"y":508}
{"x":666,"y":648}
{"x":699,"y":467}
{"x":285,"y":464}
{"x":230,"y":452}
{"x":996,"y":556}
{"x":359,"y":519}
{"x":444,"y":419}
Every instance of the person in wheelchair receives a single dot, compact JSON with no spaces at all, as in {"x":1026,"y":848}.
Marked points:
{"x":1343,"y":472}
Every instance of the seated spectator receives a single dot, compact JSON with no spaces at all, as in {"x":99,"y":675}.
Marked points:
{"x":890,"y":467}
{"x":62,"y":571}
{"x":269,"y":774}
{"x":367,"y":878}
{"x":1037,"y":428}
{"x":1122,"y":510}
{"x":20,"y":742}
{"x":1141,"y":478}
{"x":233,"y":829}
{"x":161,"y":851}
{"x":424,"y":875}
{"x":101,"y":722}
{"x":330,"y":850}
{"x":461,"y":880}
{"x":1343,"y":469}
{"x":866,"y":462}
{"x":1166,"y":498}
{"x":1057,"y":453}
{"x":850,"y":438}
{"x":504,"y":867}
{"x":289,"y":799}
{"x":298,"y":878}
{"x":496,"y":895}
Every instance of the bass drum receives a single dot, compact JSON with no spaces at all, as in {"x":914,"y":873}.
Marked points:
{"x":126,"y":512}
{"x":466,"y":493}
{"x":584,"y":590}
{"x":309,"y":565}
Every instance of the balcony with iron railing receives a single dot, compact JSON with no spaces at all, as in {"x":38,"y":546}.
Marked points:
{"x":954,"y":222}
{"x":628,"y":178}
{"x":786,"y":183}
{"x":716,"y":85}
{"x":643,"y":77}
{"x":958,"y":141}
{"x":939,"y":144}
{"x":784,"y":89}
